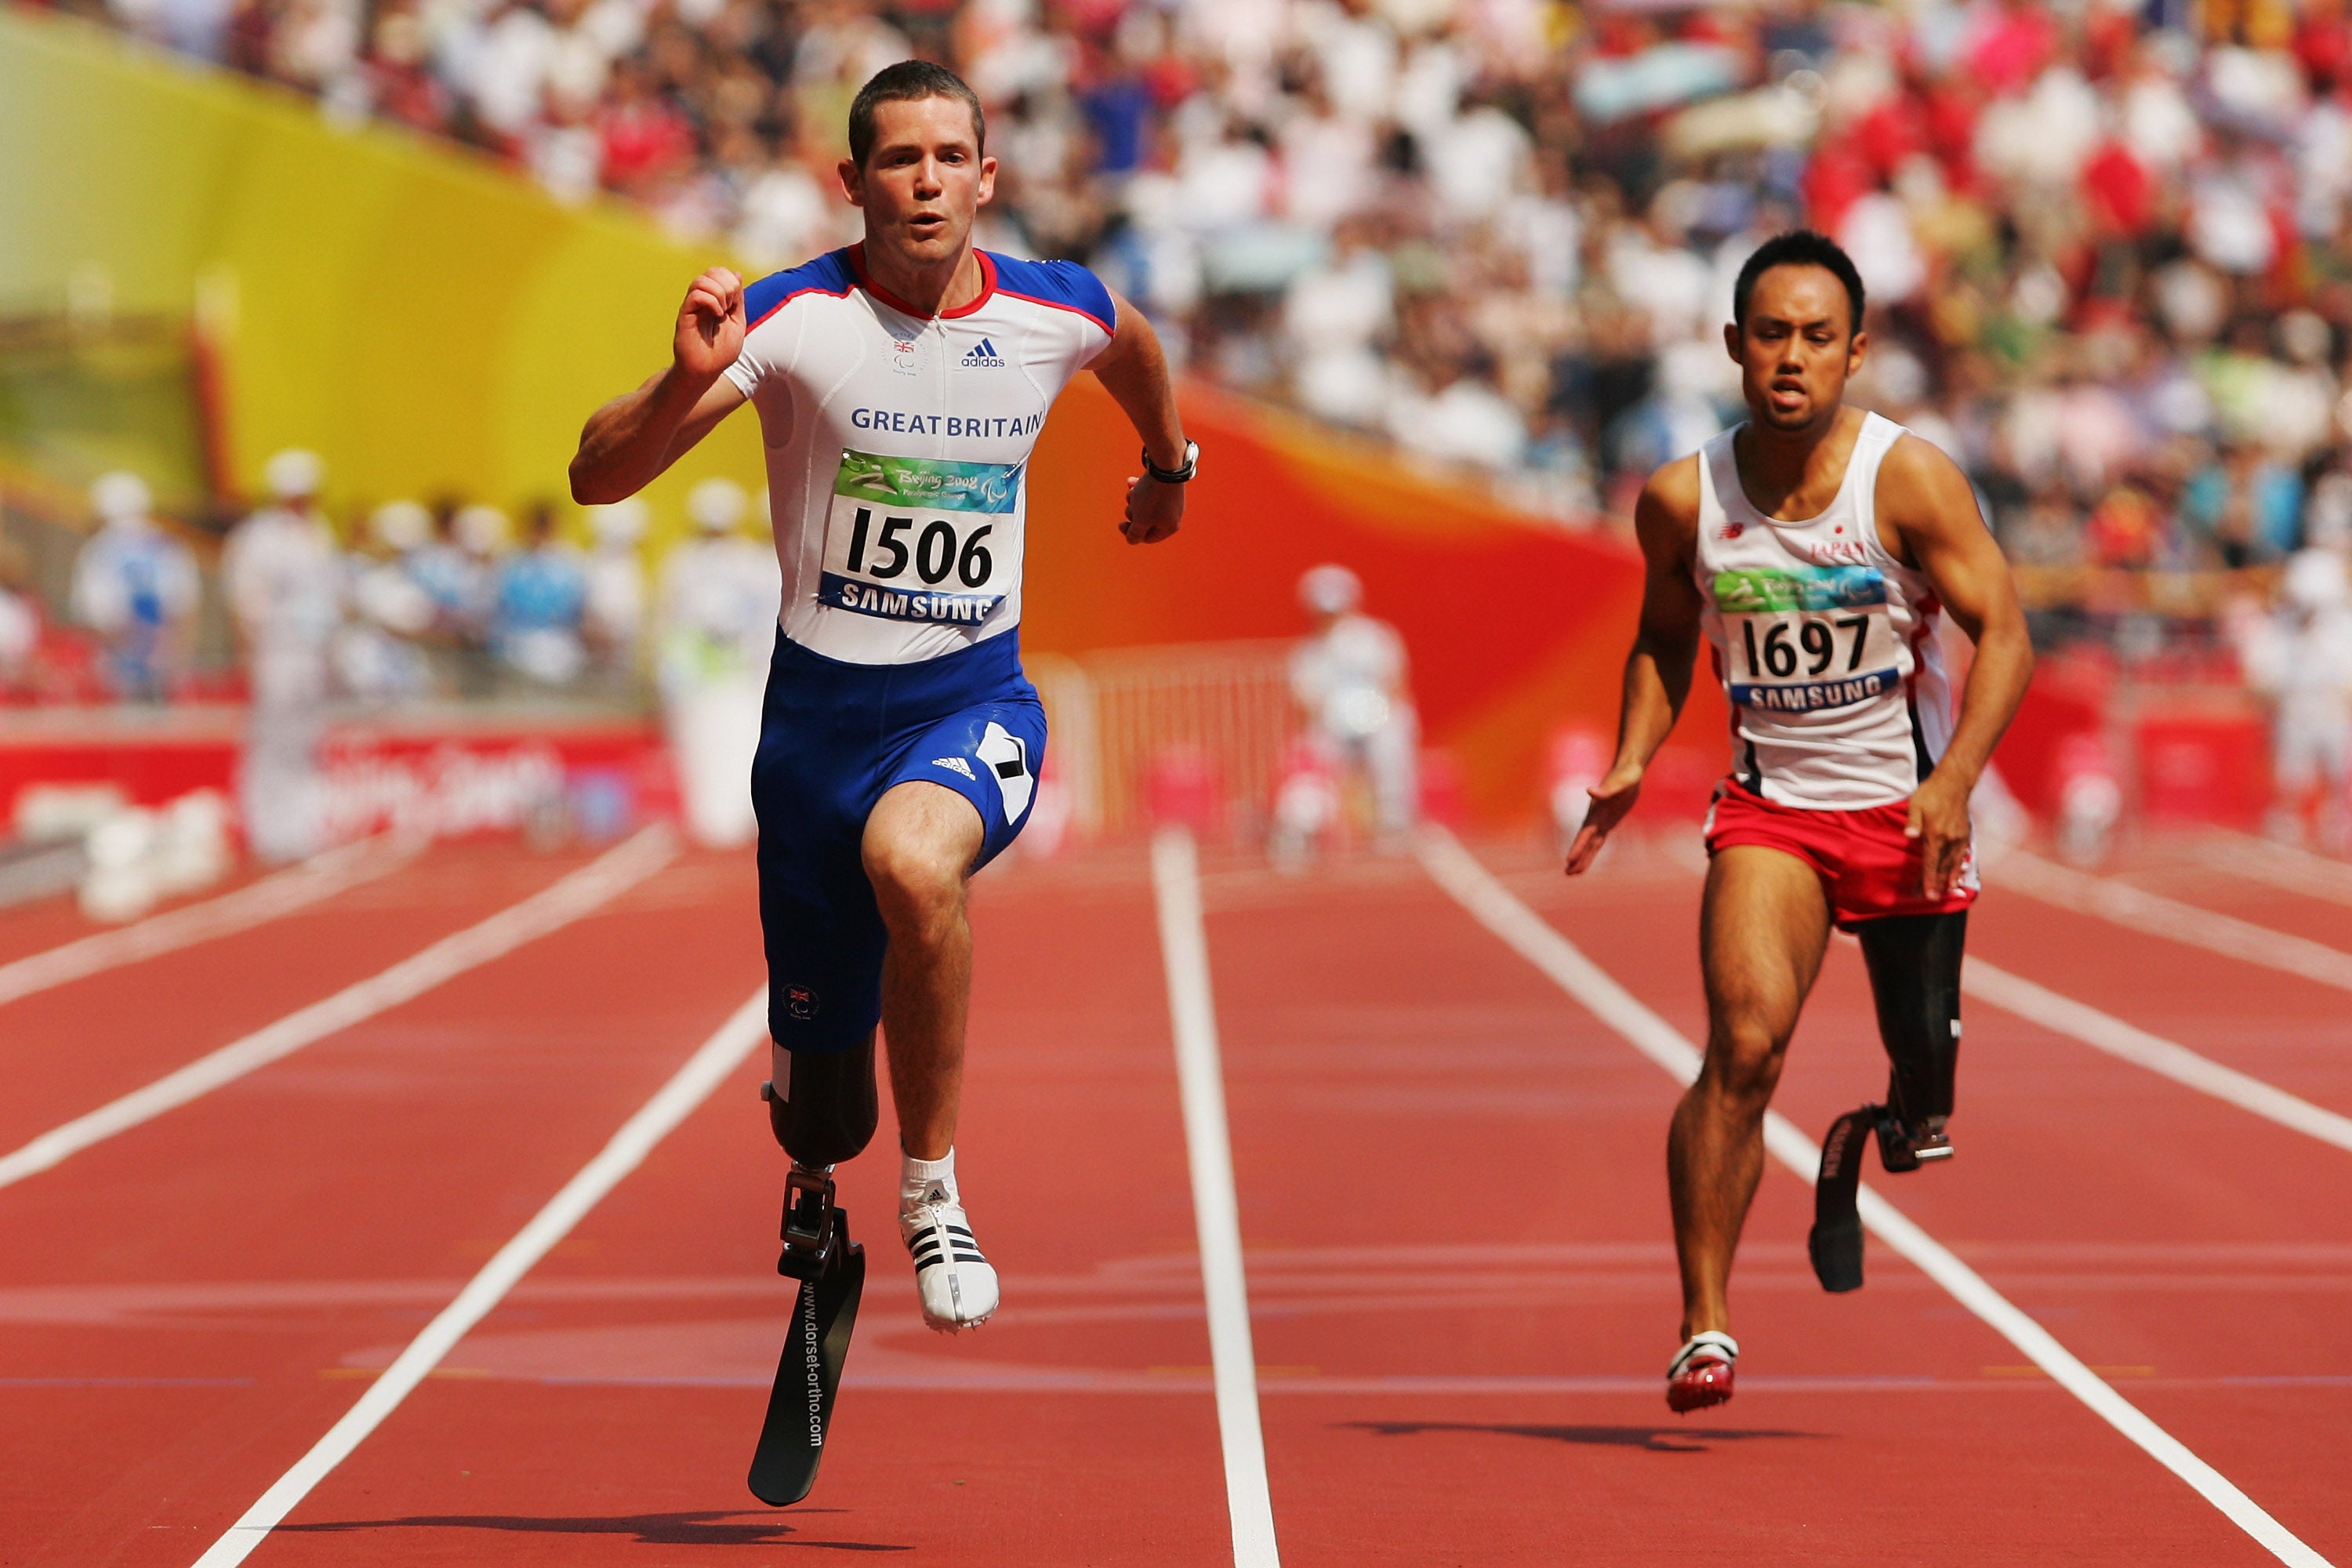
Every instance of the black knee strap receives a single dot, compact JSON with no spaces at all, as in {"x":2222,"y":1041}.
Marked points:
{"x":1914,"y":977}
{"x":827,"y":1111}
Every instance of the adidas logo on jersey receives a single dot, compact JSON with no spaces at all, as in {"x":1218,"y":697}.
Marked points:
{"x":957,"y":763}
{"x":984,"y":356}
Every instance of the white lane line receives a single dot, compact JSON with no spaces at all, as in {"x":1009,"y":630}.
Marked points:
{"x":2105,"y":1032}
{"x":272,"y":898}
{"x":705,"y":1070}
{"x":612,"y":873}
{"x":2125,"y":905}
{"x":2280,"y":865}
{"x":1472,"y":886}
{"x":1208,"y":1147}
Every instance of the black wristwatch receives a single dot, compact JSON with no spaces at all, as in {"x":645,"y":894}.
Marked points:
{"x":1174,"y":476}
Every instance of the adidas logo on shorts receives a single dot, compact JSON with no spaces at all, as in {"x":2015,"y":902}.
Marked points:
{"x":984,"y":356}
{"x":957,"y":764}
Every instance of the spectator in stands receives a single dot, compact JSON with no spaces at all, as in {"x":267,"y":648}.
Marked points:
{"x":136,"y":586}
{"x":376,"y":656}
{"x":720,"y":594}
{"x":20,"y":622}
{"x":283,"y":583}
{"x":613,"y":618}
{"x":541,"y":596}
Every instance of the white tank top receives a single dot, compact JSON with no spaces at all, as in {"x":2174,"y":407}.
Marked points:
{"x":1825,"y":643}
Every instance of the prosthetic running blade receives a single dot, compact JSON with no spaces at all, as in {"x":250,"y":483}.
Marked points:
{"x":832,"y":1271}
{"x":1835,"y":1242}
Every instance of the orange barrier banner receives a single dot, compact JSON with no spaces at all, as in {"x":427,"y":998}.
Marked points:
{"x":1516,"y":626}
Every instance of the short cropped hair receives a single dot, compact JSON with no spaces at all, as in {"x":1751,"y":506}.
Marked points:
{"x":1799,"y":248}
{"x":908,"y":81}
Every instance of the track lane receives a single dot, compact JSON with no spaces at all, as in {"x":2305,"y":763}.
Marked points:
{"x":186,"y":1295}
{"x":70,"y":1050}
{"x":2163,"y":1236}
{"x":611,"y":1402}
{"x":1499,"y":1149}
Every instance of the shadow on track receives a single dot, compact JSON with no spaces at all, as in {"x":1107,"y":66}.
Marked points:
{"x":1656,"y":1439}
{"x":651,"y":1529}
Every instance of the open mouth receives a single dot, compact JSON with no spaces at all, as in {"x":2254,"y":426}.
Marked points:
{"x":925,"y":225}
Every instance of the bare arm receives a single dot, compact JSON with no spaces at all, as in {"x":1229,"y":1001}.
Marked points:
{"x":1134,"y":369}
{"x":1666,"y":647}
{"x":1925,"y":503}
{"x":632,"y":440}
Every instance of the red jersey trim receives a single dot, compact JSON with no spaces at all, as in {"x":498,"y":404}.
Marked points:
{"x":865,"y":281}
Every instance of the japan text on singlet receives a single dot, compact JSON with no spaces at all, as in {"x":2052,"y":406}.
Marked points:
{"x":1826,"y":644}
{"x":898,"y":445}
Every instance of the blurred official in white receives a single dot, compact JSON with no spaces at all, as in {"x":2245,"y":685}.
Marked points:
{"x":284,"y":582}
{"x":1349,"y":676}
{"x":136,"y":586}
{"x":2301,"y":655}
{"x":720,"y":594}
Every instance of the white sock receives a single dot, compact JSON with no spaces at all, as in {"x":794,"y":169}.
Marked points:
{"x":916,"y":1177}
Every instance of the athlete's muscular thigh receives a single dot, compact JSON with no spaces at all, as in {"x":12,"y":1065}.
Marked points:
{"x":1763,"y":928}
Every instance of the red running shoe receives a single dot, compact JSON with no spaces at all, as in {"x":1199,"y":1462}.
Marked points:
{"x":1701,"y":1373}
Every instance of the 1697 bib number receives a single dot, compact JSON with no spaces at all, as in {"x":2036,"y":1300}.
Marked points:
{"x":1807,"y":640}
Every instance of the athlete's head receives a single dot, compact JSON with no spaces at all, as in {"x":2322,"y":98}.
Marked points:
{"x":1796,"y":329}
{"x":918,"y":160}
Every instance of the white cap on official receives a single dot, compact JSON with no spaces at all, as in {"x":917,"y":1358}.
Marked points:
{"x":120,"y":497}
{"x":401,"y":525}
{"x":1331,"y":589}
{"x":294,"y":474}
{"x":618,"y":523}
{"x":716,"y":505}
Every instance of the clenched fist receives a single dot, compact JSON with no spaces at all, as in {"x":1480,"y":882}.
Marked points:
{"x":711,"y":324}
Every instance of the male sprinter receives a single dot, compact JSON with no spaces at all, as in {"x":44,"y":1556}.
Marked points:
{"x":1816,"y":546}
{"x":900,"y":386}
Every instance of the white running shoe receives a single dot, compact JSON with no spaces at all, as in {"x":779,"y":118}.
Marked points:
{"x":953,"y":1277}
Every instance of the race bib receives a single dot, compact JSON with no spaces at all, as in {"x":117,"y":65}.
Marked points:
{"x":918,"y":539}
{"x":1799,"y":641}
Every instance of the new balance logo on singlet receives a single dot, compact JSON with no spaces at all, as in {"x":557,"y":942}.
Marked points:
{"x":984,"y":356}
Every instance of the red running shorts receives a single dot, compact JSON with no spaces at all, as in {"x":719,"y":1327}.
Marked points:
{"x":1867,"y":868}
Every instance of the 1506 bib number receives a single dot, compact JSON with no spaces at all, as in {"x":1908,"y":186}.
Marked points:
{"x":936,"y":551}
{"x":919,"y":539}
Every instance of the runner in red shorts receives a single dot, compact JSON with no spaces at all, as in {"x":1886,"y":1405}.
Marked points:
{"x":1816,"y":547}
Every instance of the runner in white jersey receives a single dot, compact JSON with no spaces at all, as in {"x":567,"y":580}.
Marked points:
{"x":1815,"y":548}
{"x":900,"y":386}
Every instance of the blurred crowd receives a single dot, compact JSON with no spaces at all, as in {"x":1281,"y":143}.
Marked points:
{"x":409,"y":601}
{"x":2106,"y":243}
{"x":2108,"y":246}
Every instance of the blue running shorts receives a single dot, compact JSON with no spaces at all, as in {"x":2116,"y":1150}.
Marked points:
{"x":832,"y":738}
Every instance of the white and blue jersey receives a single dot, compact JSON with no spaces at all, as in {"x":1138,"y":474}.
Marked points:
{"x":898,"y":443}
{"x":898,"y":451}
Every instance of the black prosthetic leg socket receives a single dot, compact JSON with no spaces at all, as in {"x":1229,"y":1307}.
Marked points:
{"x":827,"y":1111}
{"x":1914,"y":979}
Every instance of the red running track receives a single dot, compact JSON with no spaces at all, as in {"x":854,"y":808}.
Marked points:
{"x":1451,"y":1198}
